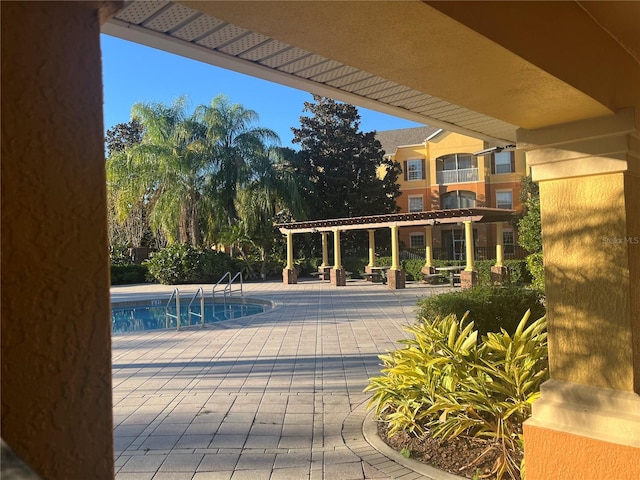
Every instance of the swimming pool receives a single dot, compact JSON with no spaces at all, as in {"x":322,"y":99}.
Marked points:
{"x":150,"y":314}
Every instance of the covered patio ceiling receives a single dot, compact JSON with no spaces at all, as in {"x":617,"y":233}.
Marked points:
{"x":412,"y":58}
{"x":433,"y":217}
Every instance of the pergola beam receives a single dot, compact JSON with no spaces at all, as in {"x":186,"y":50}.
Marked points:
{"x":434,"y":217}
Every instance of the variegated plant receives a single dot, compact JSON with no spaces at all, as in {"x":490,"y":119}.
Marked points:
{"x":446,"y":381}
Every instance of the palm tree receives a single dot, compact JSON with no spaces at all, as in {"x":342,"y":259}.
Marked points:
{"x":272,"y":191}
{"x":232,"y":142}
{"x":167,"y":169}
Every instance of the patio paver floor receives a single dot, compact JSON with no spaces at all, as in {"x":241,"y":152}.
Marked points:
{"x":274,"y":396}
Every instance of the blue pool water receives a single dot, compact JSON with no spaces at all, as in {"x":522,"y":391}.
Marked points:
{"x":151,"y":315}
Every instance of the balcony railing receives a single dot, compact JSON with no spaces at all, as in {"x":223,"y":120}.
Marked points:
{"x":464,"y":175}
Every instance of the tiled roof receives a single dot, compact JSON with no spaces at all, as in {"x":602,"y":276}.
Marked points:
{"x":392,"y":139}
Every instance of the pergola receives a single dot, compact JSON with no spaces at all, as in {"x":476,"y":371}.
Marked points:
{"x":394,"y":221}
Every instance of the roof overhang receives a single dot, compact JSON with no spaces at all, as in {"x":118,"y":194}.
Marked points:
{"x":433,"y":217}
{"x":475,"y":68}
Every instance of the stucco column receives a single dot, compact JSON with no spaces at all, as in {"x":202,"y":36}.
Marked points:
{"x":468,"y":245}
{"x":469,"y":276}
{"x":289,"y":250}
{"x":499,"y":240}
{"x":395,"y":248}
{"x":325,"y":249}
{"x":338,"y":274}
{"x":587,"y":420}
{"x":499,"y":273}
{"x":372,"y":249}
{"x":289,"y":273}
{"x":395,"y":276}
{"x":428,"y":246}
{"x":56,"y":322}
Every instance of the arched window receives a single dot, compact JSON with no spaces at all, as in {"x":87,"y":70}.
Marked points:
{"x":458,"y":199}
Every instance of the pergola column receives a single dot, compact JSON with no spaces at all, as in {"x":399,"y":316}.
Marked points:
{"x":289,"y":273}
{"x":428,"y":267}
{"x":338,"y":274}
{"x":469,"y":276}
{"x":324,"y":270}
{"x":325,"y":249}
{"x":589,"y":177}
{"x":499,"y":273}
{"x":396,"y":276}
{"x":372,"y":251}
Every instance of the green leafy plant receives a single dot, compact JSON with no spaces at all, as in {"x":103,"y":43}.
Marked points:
{"x":490,"y":307}
{"x":180,"y":263}
{"x":128,"y":274}
{"x":449,"y":383}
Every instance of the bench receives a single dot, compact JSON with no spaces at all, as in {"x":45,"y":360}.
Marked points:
{"x":431,"y":278}
{"x":375,"y":277}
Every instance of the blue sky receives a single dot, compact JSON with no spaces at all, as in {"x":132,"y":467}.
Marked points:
{"x":135,"y":73}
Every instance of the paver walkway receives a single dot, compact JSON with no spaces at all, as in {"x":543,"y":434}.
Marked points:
{"x":273,"y":396}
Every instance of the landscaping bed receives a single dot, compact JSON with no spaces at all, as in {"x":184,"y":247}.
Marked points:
{"x":463,"y":456}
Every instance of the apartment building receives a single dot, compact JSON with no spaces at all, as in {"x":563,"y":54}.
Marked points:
{"x":442,"y":170}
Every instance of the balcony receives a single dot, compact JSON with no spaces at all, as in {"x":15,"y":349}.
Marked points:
{"x":464,"y":175}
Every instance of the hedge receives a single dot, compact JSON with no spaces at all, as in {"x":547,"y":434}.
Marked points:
{"x":128,"y":274}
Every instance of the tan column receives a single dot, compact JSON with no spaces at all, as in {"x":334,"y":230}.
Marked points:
{"x":395,"y":249}
{"x":499,"y":247}
{"x":428,"y":249}
{"x":337,"y":255}
{"x":372,"y":248}
{"x":56,"y":323}
{"x":468,"y":243}
{"x":587,"y":420}
{"x":325,"y":249}
{"x":290,"y":250}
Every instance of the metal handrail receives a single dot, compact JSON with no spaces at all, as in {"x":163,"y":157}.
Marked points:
{"x":213,"y":290}
{"x":176,"y":294}
{"x":227,"y":289}
{"x":200,"y":292}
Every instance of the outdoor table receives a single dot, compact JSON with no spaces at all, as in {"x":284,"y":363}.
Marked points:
{"x":452,"y":271}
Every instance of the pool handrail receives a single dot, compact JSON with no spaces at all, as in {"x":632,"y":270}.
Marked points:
{"x":227,"y":289}
{"x":176,"y":294}
{"x":213,"y":290}
{"x":200,"y":292}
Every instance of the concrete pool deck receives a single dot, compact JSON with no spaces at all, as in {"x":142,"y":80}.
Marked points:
{"x":273,"y":396}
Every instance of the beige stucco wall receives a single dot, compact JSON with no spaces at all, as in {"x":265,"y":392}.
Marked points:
{"x":588,"y":278}
{"x":56,"y":376}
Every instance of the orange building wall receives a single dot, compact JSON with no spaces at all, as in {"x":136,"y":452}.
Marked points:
{"x":579,"y":458}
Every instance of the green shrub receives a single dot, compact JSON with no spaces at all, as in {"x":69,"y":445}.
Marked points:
{"x":491,"y":308}
{"x":355,"y":265}
{"x":413,"y":268}
{"x":447,"y":382}
{"x":128,"y":274}
{"x":536,"y":267}
{"x":180,"y":263}
{"x":306,"y":265}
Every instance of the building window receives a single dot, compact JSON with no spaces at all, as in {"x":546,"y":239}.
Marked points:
{"x":416,"y":203}
{"x":458,"y":199}
{"x":416,"y":240}
{"x":502,"y":162}
{"x":414,"y":170}
{"x":504,"y":199}
{"x":508,"y":242}
{"x":457,"y":168}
